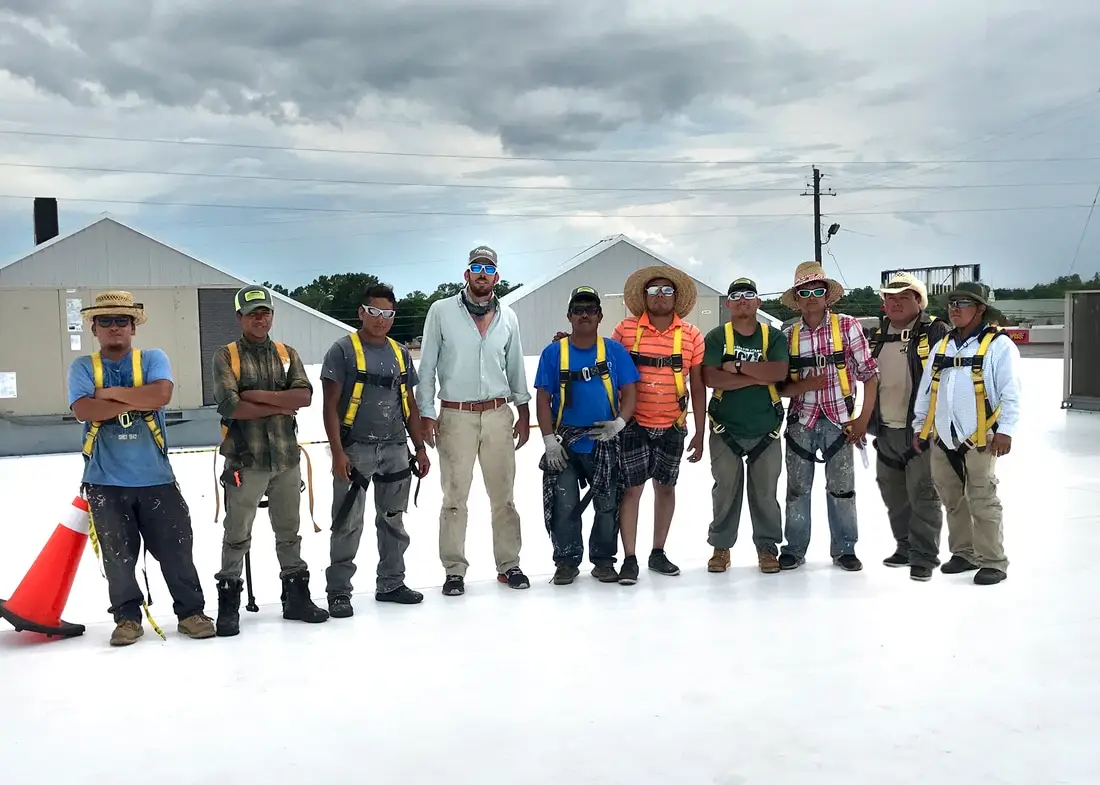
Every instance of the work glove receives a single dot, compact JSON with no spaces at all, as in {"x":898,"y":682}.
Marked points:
{"x":607,"y":430}
{"x":555,"y":453}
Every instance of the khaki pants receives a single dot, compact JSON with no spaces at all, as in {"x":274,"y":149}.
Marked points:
{"x":910,"y":497}
{"x":974,"y":514}
{"x":284,"y":498}
{"x":487,"y":438}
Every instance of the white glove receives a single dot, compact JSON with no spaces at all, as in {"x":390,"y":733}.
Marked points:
{"x":555,"y":453}
{"x":607,"y":430}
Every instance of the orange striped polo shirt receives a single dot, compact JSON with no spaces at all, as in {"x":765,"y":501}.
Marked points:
{"x":658,"y":405}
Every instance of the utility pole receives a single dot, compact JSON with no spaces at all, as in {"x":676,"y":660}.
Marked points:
{"x":816,"y":194}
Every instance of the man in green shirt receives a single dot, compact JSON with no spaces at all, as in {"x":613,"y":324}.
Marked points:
{"x":743,"y":360}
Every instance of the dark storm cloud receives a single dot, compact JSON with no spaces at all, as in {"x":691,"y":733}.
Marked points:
{"x":543,"y":77}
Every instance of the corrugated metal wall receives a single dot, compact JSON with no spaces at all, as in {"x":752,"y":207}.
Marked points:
{"x":542,"y":313}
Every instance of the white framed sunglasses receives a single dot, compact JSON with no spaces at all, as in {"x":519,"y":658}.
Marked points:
{"x":385,"y":313}
{"x":742,"y":294}
{"x":666,"y":290}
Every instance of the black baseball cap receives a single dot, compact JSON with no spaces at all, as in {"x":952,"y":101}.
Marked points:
{"x":584,"y":293}
{"x":742,"y":285}
{"x":250,"y":298}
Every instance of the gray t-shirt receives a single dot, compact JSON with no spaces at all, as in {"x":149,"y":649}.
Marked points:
{"x":379,"y":419}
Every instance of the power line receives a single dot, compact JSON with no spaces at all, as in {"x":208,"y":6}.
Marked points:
{"x":1084,"y":231}
{"x":578,"y":214}
{"x":494,"y":186}
{"x":534,"y":159}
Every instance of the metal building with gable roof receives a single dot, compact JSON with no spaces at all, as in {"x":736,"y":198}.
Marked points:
{"x":541,"y":305}
{"x":190,"y":314}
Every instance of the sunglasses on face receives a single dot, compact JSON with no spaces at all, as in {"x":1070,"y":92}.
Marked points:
{"x":385,"y":313}
{"x":818,"y":292}
{"x":477,"y":268}
{"x":667,"y":291}
{"x":960,"y":304}
{"x":107,"y":322}
{"x":584,"y":310}
{"x":742,"y":295}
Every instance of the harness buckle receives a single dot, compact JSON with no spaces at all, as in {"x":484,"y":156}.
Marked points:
{"x":586,"y":374}
{"x":958,"y":361}
{"x":125,"y":420}
{"x":821,"y":361}
{"x":905,"y":335}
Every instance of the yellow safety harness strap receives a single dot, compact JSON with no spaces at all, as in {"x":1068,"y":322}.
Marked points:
{"x":987,"y":416}
{"x":126,"y":417}
{"x":566,"y":376}
{"x":675,"y":361}
{"x":837,"y":358}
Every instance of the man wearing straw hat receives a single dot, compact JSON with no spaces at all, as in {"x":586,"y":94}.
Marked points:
{"x":901,"y":346}
{"x":119,"y":393}
{"x":828,"y":352}
{"x":668,"y":353}
{"x":969,"y":404}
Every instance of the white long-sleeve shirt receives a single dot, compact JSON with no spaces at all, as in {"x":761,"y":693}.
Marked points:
{"x":469,"y":367}
{"x":955,"y":401}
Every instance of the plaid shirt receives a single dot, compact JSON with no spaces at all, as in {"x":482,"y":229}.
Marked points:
{"x":606,"y":481}
{"x":273,"y":441}
{"x":818,"y":342}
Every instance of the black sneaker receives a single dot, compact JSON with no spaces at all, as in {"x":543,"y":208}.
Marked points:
{"x":605,"y":573}
{"x":987,"y":576}
{"x":658,"y":562}
{"x":453,"y":586}
{"x":920,"y":573}
{"x":339,"y":606}
{"x":788,"y":561}
{"x":514,"y":578}
{"x":899,"y":559}
{"x":628,"y":573}
{"x":564,"y":574}
{"x":402,"y":595}
{"x":848,"y":562}
{"x":956,"y":565}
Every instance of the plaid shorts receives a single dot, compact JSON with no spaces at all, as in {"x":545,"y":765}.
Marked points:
{"x":655,"y":453}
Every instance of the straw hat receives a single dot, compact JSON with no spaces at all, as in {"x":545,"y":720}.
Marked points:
{"x":115,"y":304}
{"x":634,"y":288}
{"x":810,"y":273}
{"x":901,"y":282}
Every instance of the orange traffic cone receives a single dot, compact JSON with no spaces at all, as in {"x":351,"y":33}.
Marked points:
{"x":37,"y":604}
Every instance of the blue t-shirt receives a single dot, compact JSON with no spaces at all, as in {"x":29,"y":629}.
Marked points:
{"x":589,"y":403}
{"x":127,"y":457}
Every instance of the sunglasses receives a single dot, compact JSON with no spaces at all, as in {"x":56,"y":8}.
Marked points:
{"x":584,"y":310}
{"x":385,"y":313}
{"x":106,"y":322}
{"x":742,"y":295}
{"x":477,"y":268}
{"x":960,"y":304}
{"x":818,"y":292}
{"x":667,"y":291}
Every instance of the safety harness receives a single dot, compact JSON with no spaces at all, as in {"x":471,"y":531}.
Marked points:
{"x":718,"y":428}
{"x":878,"y":340}
{"x":987,"y":415}
{"x":232,"y":429}
{"x":359,"y":482}
{"x":125,"y":420}
{"x":838,"y":360}
{"x":567,"y":376}
{"x":675,"y":361}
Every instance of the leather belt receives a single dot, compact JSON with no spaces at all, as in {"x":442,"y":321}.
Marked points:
{"x":474,"y":406}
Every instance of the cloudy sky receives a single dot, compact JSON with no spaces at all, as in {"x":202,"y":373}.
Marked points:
{"x":392,"y":137}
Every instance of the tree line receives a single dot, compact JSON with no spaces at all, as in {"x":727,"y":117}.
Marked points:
{"x":340,"y":295}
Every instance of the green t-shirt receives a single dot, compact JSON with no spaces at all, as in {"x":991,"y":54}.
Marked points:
{"x":747,"y":413}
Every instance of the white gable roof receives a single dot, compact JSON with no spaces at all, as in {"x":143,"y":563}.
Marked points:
{"x":243,"y":282}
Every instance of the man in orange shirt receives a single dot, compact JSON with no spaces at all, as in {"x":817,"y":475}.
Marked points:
{"x":668,"y":353}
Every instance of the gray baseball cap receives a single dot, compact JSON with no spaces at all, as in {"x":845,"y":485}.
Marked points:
{"x":483,"y":253}
{"x":250,"y":298}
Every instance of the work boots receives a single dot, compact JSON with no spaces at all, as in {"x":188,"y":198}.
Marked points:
{"x":297,"y":605}
{"x":229,"y":607}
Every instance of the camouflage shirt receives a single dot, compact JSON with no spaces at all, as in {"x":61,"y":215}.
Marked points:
{"x":272,"y":441}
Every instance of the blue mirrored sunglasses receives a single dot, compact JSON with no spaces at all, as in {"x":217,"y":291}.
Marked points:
{"x":818,"y":292}
{"x":477,"y":268}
